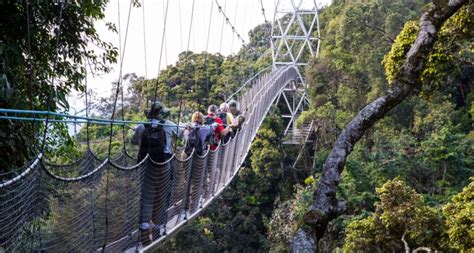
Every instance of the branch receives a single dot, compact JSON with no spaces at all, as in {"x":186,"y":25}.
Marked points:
{"x":325,"y":205}
{"x":389,"y":39}
{"x":407,"y":247}
{"x":422,"y":248}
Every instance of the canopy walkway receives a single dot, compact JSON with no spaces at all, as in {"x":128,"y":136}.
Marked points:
{"x":94,"y":204}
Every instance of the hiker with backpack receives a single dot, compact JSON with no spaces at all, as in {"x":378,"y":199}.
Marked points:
{"x":197,"y":135}
{"x":220,"y":130}
{"x":227,"y":119}
{"x":225,"y":115}
{"x":154,"y":138}
{"x":149,"y":137}
{"x":238,"y":117}
{"x":233,"y":108}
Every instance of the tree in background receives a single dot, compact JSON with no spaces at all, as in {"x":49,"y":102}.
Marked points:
{"x":459,"y":215}
{"x":401,"y":220}
{"x":343,"y":83}
{"x":32,"y":58}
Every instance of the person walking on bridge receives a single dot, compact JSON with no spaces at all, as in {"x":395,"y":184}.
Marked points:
{"x":154,"y":139}
{"x":219,"y":129}
{"x":238,"y":119}
{"x":197,"y":134}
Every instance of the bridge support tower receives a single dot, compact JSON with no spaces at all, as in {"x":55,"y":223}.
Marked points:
{"x":295,"y":39}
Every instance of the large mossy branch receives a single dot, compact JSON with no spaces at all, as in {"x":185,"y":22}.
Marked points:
{"x":407,"y":82}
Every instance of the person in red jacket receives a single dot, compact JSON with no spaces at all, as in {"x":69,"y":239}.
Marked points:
{"x":218,"y":126}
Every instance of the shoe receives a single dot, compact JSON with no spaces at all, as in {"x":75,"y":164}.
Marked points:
{"x":145,"y":233}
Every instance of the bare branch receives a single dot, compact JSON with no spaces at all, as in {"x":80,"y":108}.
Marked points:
{"x":407,"y":247}
{"x":422,"y":248}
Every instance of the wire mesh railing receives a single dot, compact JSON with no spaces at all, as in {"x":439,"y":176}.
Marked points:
{"x":96,"y":204}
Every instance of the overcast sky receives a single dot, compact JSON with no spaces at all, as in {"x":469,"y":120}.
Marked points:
{"x":243,"y":14}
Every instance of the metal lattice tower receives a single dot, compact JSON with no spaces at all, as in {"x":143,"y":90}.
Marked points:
{"x":295,"y":38}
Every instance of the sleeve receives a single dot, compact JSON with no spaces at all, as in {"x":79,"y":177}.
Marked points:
{"x":174,"y":129}
{"x":138,"y":134}
{"x":186,"y":134}
{"x":230,"y":118}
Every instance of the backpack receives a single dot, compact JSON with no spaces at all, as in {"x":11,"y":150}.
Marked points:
{"x":153,"y":142}
{"x":211,"y":139}
{"x":209,"y":120}
{"x":194,"y":141}
{"x":223,"y":116}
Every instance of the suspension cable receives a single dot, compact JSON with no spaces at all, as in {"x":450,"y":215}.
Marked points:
{"x":190,"y":26}
{"x":119,"y":30}
{"x":48,"y":99}
{"x":263,"y":12}
{"x":30,"y":62}
{"x":207,"y":47}
{"x":119,"y":79}
{"x":166,"y":45}
{"x":209,"y":27}
{"x":222,"y":27}
{"x":112,"y":130}
{"x":120,"y":87}
{"x":30,"y":65}
{"x":235,"y":20}
{"x":234,"y":31}
{"x":161,"y":50}
{"x":144,"y":39}
{"x":180,"y":27}
{"x":87,"y":113}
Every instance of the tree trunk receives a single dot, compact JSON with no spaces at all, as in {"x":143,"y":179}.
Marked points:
{"x":325,"y":205}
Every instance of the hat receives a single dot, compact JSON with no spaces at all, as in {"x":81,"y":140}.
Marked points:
{"x":233,"y":104}
{"x":157,"y":110}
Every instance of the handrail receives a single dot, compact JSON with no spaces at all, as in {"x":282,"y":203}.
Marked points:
{"x":246,"y":83}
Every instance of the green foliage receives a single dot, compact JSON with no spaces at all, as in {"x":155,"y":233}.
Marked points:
{"x":394,"y":60}
{"x":426,"y":141}
{"x":400,"y":212}
{"x":309,"y":180}
{"x":265,"y":155}
{"x":33,"y":60}
{"x":444,"y":58}
{"x":460,"y":219}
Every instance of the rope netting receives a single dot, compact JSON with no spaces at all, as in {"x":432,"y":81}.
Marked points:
{"x":96,"y":204}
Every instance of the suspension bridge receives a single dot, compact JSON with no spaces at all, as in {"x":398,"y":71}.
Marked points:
{"x":94,"y":203}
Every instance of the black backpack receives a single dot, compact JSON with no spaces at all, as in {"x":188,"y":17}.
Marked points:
{"x":153,"y":142}
{"x":194,"y":141}
{"x":223,"y":116}
{"x":209,"y":120}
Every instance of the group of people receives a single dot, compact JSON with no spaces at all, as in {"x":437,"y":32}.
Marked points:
{"x":219,"y":125}
{"x":155,"y":138}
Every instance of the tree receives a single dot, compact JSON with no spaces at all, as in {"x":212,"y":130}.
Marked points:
{"x":460,"y":219}
{"x":401,"y":220}
{"x":407,"y":82}
{"x":44,"y":41}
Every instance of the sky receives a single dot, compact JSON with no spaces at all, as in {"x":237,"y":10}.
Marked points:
{"x":243,"y":14}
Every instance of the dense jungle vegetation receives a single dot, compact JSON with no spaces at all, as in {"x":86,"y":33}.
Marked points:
{"x":408,"y":183}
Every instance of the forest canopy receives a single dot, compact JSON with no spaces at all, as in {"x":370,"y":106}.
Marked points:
{"x":406,"y":183}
